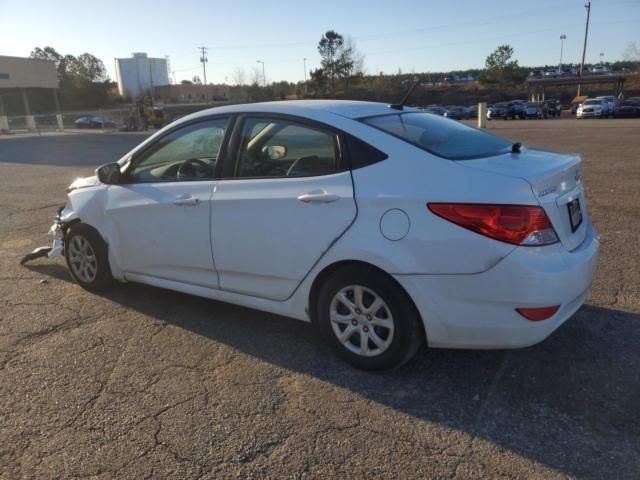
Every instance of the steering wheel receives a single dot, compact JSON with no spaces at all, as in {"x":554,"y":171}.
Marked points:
{"x":192,"y":168}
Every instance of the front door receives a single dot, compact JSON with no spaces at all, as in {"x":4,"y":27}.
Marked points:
{"x":289,"y":200}
{"x":160,"y":217}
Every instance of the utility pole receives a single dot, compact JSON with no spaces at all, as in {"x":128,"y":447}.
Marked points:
{"x":563,"y":37}
{"x":203,"y":60}
{"x":264,"y":79}
{"x":586,"y":34}
{"x":304,"y":62}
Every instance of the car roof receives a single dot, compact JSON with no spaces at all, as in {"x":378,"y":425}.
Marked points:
{"x":306,"y":108}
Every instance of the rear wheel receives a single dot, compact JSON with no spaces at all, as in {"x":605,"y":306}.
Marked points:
{"x":368,"y":319}
{"x":87,"y":258}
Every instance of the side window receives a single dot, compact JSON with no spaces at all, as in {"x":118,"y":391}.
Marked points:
{"x":362,"y":154}
{"x":189,"y":153}
{"x":281,"y":148}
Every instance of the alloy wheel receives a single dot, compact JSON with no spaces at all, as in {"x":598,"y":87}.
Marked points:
{"x":82,"y":259}
{"x":361,"y":320}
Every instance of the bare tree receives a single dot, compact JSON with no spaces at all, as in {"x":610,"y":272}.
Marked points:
{"x":256,"y":76}
{"x":356,"y":57}
{"x":632,"y":52}
{"x":239,"y":76}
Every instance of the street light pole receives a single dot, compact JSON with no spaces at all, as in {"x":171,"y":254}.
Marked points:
{"x":563,"y":37}
{"x":601,"y":57}
{"x":264,"y":78}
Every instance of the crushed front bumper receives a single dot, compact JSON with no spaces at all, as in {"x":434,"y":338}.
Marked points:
{"x":57,"y":231}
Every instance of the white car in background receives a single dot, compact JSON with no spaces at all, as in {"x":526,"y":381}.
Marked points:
{"x":387,"y":226}
{"x":592,"y":108}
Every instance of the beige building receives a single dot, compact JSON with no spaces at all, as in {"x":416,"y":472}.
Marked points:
{"x":25,"y":75}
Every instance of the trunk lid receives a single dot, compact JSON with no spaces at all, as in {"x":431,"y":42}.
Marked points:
{"x":556,"y":182}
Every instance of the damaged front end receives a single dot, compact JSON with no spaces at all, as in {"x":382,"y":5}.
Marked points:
{"x":58,"y":230}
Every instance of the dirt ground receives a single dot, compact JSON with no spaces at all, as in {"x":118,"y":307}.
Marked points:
{"x":146,"y":383}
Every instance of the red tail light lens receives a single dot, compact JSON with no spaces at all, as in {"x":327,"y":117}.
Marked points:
{"x":517,"y":224}
{"x":537,"y":314}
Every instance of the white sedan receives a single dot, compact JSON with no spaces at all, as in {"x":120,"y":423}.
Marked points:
{"x":387,"y":226}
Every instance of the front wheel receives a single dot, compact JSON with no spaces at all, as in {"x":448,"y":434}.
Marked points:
{"x":87,"y":258}
{"x":368,"y":319}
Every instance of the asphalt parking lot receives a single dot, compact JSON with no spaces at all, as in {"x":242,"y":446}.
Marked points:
{"x":145,"y":383}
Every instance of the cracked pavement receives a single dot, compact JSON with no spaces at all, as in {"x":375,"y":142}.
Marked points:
{"x":145,"y":383}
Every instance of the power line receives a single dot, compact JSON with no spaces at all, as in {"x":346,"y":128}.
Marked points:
{"x":431,"y":29}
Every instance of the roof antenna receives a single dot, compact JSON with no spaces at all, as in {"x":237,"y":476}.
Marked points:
{"x":400,"y":106}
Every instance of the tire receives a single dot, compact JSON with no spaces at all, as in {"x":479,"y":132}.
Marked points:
{"x":400,"y":343}
{"x":87,"y":258}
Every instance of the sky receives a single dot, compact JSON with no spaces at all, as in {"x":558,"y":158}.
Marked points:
{"x":414,"y":36}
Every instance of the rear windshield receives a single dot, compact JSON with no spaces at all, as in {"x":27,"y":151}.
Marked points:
{"x":442,"y":137}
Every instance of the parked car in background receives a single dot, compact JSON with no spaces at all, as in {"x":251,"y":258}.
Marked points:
{"x":552,"y":73}
{"x":592,"y":108}
{"x":436,"y":110}
{"x":389,"y":229}
{"x":497,"y":110}
{"x":456,"y":112}
{"x":537,"y":74}
{"x":516,"y":109}
{"x":568,"y":72}
{"x":534,"y":110}
{"x":599,"y":70}
{"x":473,"y":110}
{"x":553,"y":108}
{"x":94,"y":122}
{"x":610,"y":102}
{"x":627,"y":108}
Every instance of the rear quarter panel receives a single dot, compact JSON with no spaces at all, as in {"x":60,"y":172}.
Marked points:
{"x":408,"y":180}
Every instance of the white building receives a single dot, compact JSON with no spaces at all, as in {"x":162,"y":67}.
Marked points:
{"x":140,"y":74}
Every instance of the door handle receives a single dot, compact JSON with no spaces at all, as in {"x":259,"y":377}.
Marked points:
{"x":187,"y":200}
{"x":322,"y":197}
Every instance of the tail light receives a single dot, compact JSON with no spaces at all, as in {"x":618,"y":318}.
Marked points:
{"x":538,"y":314}
{"x":516,"y":224}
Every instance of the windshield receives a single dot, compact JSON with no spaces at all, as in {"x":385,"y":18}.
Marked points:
{"x":440,"y":136}
{"x":593,"y":102}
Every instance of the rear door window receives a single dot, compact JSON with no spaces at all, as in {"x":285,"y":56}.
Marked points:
{"x":442,"y":137}
{"x":272,"y":148}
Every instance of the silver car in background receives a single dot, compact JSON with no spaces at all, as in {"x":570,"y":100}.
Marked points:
{"x":592,"y":108}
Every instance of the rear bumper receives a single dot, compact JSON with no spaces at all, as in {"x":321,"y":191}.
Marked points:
{"x":478,"y":311}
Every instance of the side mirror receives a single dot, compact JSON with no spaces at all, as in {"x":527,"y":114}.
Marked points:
{"x":109,"y":174}
{"x":275,"y":152}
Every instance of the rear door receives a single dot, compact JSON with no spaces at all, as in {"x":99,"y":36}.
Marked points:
{"x":288,"y":199}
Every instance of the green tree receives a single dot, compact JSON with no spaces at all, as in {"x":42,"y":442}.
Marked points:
{"x":501,"y":69}
{"x":318,"y":81}
{"x":340,"y":59}
{"x":87,"y":67}
{"x":83,"y":79}
{"x":50,"y":53}
{"x":329,"y":48}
